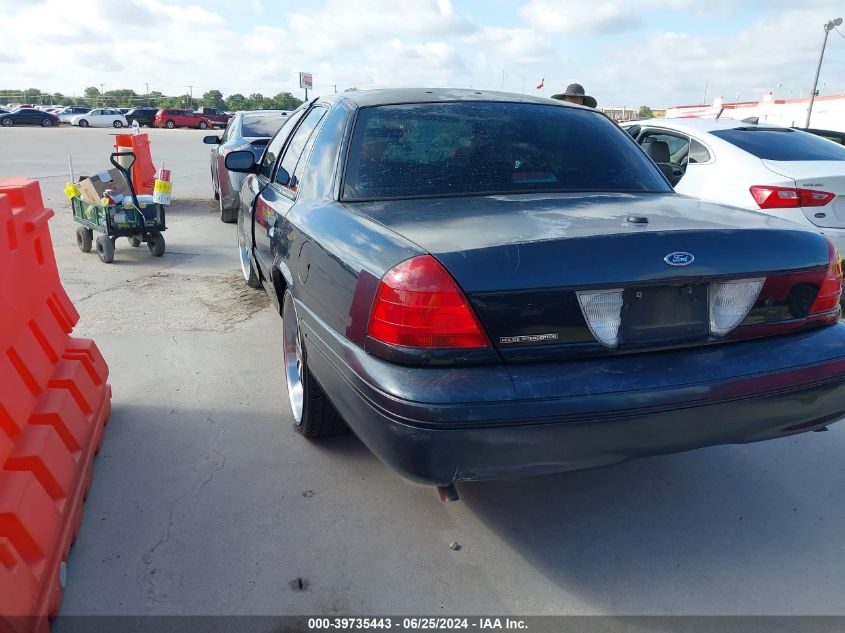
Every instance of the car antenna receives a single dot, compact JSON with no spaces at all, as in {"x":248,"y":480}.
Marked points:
{"x":720,"y":113}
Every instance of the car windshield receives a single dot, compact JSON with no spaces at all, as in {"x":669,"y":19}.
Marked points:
{"x":482,"y":148}
{"x":264,"y":125}
{"x":781,"y":144}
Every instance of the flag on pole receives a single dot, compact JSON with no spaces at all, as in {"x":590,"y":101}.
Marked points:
{"x":540,"y":85}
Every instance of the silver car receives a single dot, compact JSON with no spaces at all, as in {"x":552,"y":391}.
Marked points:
{"x":249,"y":130}
{"x":66,"y":114}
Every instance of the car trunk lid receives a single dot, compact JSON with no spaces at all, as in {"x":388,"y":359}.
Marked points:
{"x":522,"y":260}
{"x":256,"y":144}
{"x":822,"y":175}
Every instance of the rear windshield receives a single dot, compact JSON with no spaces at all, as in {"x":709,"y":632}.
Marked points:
{"x":262,"y":125}
{"x":478,"y":148}
{"x":781,"y":144}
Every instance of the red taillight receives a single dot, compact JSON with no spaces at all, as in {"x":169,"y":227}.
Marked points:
{"x":830,"y":290}
{"x":418,"y":304}
{"x":769,"y":197}
{"x":810,"y":198}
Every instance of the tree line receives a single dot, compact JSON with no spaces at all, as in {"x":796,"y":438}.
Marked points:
{"x":125,"y":98}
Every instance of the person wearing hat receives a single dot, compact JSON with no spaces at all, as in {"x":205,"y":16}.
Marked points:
{"x":575,"y":94}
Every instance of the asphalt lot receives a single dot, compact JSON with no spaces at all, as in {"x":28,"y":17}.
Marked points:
{"x":205,"y":501}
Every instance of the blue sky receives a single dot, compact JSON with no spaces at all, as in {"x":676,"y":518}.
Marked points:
{"x":633,"y":52}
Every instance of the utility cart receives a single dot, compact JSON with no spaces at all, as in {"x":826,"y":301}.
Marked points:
{"x":138,"y":222}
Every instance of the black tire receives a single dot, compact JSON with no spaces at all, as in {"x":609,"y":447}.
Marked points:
{"x":155,"y":242}
{"x":118,"y":124}
{"x":170,"y":124}
{"x":227,"y":215}
{"x":203,"y":125}
{"x":83,"y":123}
{"x":319,"y":417}
{"x":84,"y":239}
{"x":134,"y":242}
{"x":46,"y":123}
{"x":7,"y":122}
{"x":105,"y":249}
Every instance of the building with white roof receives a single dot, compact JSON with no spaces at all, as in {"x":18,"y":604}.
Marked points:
{"x":828,"y":111}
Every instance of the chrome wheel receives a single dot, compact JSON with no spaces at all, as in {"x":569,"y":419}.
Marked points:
{"x":243,"y":249}
{"x":293,"y":357}
{"x":253,"y":280}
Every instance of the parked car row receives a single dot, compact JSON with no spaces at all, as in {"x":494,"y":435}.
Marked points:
{"x":83,"y":116}
{"x":486,"y":285}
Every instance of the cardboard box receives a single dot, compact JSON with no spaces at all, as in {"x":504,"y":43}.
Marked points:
{"x":91,"y":189}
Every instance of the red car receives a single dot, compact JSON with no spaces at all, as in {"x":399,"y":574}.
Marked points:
{"x":171,"y":118}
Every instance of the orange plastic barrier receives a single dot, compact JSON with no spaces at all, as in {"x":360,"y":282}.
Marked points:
{"x":143,"y":171}
{"x":54,"y":403}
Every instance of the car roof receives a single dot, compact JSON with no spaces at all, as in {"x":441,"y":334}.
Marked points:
{"x":699,"y":125}
{"x":255,"y":113}
{"x":364,"y":98}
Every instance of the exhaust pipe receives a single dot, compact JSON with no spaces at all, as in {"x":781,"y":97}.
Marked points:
{"x":448,"y":493}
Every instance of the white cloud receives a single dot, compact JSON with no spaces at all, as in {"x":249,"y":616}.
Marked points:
{"x":517,"y":45}
{"x":771,"y":50}
{"x":215,"y":44}
{"x":614,"y":16}
{"x":580,"y":17}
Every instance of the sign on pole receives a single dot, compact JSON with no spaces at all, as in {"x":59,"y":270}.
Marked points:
{"x":305,"y":81}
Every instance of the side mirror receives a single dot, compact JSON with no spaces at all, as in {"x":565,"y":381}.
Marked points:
{"x":282,"y":176}
{"x":243,"y":162}
{"x":212,"y":139}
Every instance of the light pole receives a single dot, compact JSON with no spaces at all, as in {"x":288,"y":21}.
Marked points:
{"x":827,"y":29}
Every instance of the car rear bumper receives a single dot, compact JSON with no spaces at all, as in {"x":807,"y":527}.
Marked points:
{"x":438,"y":425}
{"x":229,"y":185}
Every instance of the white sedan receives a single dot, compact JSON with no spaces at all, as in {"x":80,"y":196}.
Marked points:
{"x":101,"y":117}
{"x":775,"y":170}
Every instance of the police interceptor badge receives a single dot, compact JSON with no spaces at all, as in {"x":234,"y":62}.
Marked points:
{"x":529,"y":338}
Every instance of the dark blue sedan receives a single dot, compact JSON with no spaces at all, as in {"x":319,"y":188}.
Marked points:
{"x":29,"y":116}
{"x":486,"y":285}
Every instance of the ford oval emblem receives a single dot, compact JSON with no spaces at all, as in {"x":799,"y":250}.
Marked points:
{"x":679,"y":258}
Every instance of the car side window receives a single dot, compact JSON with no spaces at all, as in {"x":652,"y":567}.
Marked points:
{"x":670,"y":152}
{"x":698,"y":153}
{"x":227,"y":133}
{"x":678,"y":145}
{"x":274,"y":149}
{"x":296,"y":148}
